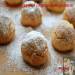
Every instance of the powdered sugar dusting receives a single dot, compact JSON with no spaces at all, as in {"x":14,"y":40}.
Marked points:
{"x":35,"y":41}
{"x":4,"y":25}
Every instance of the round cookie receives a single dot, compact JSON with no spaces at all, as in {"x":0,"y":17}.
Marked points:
{"x":34,"y":49}
{"x":31,"y":16}
{"x":56,"y":6}
{"x":7,"y":30}
{"x":14,"y":2}
{"x":63,"y":37}
{"x":69,"y":15}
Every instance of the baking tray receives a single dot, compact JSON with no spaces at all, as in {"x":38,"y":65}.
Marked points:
{"x":11,"y":62}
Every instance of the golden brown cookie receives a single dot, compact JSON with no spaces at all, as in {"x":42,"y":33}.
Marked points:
{"x":14,"y":2}
{"x":31,"y":15}
{"x":34,"y":49}
{"x":69,"y":15}
{"x":56,"y":6}
{"x":63,"y":37}
{"x":7,"y":30}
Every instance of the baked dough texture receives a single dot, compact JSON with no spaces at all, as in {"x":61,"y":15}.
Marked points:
{"x":56,"y":6}
{"x":7,"y":30}
{"x":14,"y":2}
{"x":63,"y":37}
{"x":31,"y":16}
{"x":69,"y":15}
{"x":34,"y":49}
